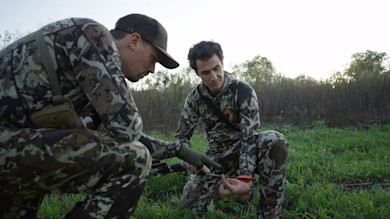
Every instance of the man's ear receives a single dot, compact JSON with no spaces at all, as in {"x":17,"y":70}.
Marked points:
{"x":133,"y":40}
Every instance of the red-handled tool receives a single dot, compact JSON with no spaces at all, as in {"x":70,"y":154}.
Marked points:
{"x":245,"y":179}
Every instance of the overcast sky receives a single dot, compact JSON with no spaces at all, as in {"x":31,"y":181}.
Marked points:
{"x":310,"y":37}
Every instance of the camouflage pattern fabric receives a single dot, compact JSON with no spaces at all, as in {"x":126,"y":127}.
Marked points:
{"x":82,"y":161}
{"x":109,"y":165}
{"x":243,"y":152}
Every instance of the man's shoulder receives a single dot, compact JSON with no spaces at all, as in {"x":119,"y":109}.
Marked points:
{"x":194,"y":93}
{"x":241,"y":90}
{"x":84,"y":21}
{"x":238,"y":85}
{"x":69,"y":22}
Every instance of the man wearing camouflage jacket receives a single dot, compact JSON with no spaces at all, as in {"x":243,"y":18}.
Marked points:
{"x":109,"y":164}
{"x":236,"y":144}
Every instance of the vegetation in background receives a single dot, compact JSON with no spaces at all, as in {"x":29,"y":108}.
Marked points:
{"x":8,"y":37}
{"x":322,"y":161}
{"x":358,"y":95}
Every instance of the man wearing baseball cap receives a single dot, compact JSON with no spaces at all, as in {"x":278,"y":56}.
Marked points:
{"x":69,"y":123}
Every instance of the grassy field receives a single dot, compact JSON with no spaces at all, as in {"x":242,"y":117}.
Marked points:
{"x":323,"y":162}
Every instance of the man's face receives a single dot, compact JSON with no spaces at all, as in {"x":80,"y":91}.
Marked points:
{"x":141,"y":62}
{"x":211,"y":73}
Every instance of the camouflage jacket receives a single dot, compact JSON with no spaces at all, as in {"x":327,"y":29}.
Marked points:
{"x":228,"y":146}
{"x":89,"y":75}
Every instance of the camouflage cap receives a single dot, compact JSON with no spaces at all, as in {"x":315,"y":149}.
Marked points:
{"x":150,"y":30}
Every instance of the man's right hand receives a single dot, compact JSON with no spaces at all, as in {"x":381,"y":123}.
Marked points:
{"x":197,"y":158}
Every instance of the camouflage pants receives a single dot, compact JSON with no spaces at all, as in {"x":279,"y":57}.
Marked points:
{"x":271,"y":163}
{"x":35,"y":162}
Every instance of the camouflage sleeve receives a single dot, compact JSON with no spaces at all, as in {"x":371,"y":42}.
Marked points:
{"x":95,"y":59}
{"x":188,"y":120}
{"x":158,"y":148}
{"x":249,"y":123}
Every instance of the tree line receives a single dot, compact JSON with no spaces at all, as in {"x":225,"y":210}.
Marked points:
{"x":360,"y":94}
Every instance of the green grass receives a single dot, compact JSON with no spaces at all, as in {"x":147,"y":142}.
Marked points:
{"x":57,"y":206}
{"x":321,"y":160}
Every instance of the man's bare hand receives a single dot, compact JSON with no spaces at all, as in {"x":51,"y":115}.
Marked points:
{"x":232,"y":186}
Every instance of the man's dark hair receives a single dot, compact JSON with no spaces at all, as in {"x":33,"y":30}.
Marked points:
{"x":204,"y":51}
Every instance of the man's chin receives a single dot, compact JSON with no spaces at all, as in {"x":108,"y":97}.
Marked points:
{"x":134,"y":79}
{"x":137,"y":78}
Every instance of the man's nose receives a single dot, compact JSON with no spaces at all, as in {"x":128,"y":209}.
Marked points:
{"x":214,"y":75}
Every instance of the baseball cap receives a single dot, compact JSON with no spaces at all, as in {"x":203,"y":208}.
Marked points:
{"x":150,"y":30}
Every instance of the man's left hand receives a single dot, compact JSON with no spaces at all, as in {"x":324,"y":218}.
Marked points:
{"x":232,"y":186}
